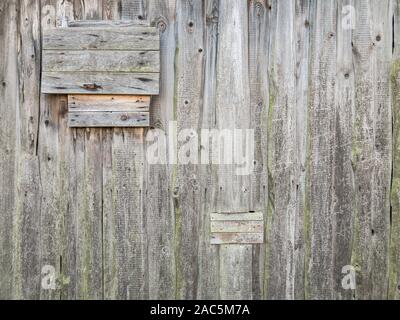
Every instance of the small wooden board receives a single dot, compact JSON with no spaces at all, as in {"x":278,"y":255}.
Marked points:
{"x":239,"y":228}
{"x":107,"y":59}
{"x":108,"y":111}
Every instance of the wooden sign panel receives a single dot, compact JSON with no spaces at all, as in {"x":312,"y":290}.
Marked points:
{"x":101,"y":60}
{"x":239,"y":228}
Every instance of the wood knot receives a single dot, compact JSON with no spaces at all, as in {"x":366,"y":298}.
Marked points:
{"x":124,"y":117}
{"x":161,"y":23}
{"x":175,"y":192}
{"x":91,"y":86}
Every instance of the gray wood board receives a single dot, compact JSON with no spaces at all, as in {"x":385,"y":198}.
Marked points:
{"x":100,"y":83}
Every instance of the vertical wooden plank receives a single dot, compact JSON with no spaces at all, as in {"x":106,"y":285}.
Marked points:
{"x":27,"y":215}
{"x":233,"y":100}
{"x":235,"y":280}
{"x":343,"y":179}
{"x":8,"y":134}
{"x":394,"y":262}
{"x":322,"y":110}
{"x":73,"y":182}
{"x":89,"y":220}
{"x":372,"y":148}
{"x":188,"y":105}
{"x":208,"y":254}
{"x":302,"y":40}
{"x":51,"y":212}
{"x":287,"y":105}
{"x":158,"y":207}
{"x":124,"y":225}
{"x":259,"y":24}
{"x":232,"y":112}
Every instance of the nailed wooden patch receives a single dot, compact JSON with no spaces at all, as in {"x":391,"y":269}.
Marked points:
{"x":127,"y":103}
{"x":108,"y":111}
{"x":103,"y":59}
{"x":239,"y":228}
{"x":108,"y":119}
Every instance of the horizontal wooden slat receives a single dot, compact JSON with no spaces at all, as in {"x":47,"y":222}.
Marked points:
{"x":100,"y":83}
{"x":106,"y":23}
{"x":236,"y":216}
{"x":124,"y":103}
{"x":97,"y":60}
{"x":102,"y":38}
{"x":237,"y":226}
{"x":238,"y":238}
{"x":108,"y":119}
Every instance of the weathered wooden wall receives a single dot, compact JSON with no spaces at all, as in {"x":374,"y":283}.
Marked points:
{"x":324,"y":100}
